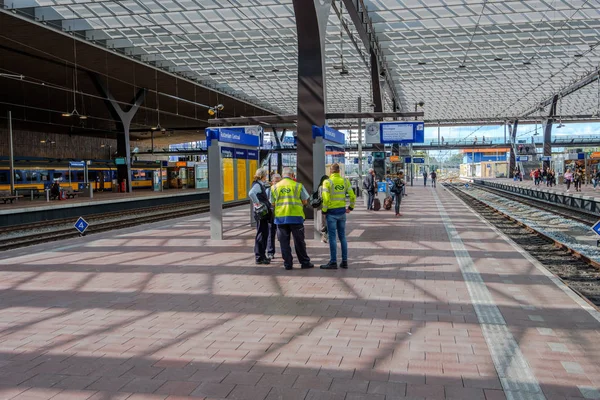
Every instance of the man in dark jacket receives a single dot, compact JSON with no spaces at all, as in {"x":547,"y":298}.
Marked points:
{"x":370,"y":187}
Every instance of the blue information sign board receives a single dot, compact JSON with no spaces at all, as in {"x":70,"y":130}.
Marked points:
{"x":382,"y":186}
{"x":418,"y":160}
{"x":243,"y":135}
{"x":329,"y":134}
{"x":546,"y":158}
{"x":402,"y":132}
{"x":77,"y":164}
{"x":81,"y":225}
{"x":407,"y":160}
{"x":252,"y":155}
{"x":522,"y":158}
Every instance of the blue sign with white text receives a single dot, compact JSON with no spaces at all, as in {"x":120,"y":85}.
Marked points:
{"x":235,"y":135}
{"x":252,"y":155}
{"x":227,"y":152}
{"x":382,"y":186}
{"x":76,"y":164}
{"x":329,"y":134}
{"x":546,"y":158}
{"x":241,"y":154}
{"x":402,"y":132}
{"x":81,"y":225}
{"x":418,"y":160}
{"x":407,"y":160}
{"x":522,"y":158}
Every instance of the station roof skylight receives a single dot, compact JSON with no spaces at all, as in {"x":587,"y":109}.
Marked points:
{"x":466,"y":59}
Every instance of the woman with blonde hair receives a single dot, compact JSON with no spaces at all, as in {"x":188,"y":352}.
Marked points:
{"x":262,"y":215}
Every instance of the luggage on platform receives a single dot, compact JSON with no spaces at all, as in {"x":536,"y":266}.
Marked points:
{"x":387,"y":203}
{"x":376,"y":204}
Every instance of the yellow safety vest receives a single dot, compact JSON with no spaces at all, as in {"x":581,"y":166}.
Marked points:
{"x":286,"y":198}
{"x":334,"y":193}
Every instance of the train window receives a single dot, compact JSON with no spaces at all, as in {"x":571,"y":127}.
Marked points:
{"x":58,"y":176}
{"x":44,"y":176}
{"x":4,"y":177}
{"x":18,"y":176}
{"x":78,"y":176}
{"x":139,"y":175}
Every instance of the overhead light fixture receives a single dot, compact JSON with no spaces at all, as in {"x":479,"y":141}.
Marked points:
{"x":67,"y":114}
{"x":252,"y":76}
{"x":578,"y":55}
{"x":83,"y":117}
{"x":422,"y":63}
{"x":527,"y":62}
{"x":498,"y":59}
{"x":275,"y":70}
{"x":344,"y":71}
{"x":462,"y":66}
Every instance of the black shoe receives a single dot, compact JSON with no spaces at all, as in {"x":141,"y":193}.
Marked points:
{"x":262,"y":261}
{"x":270,"y":256}
{"x":307,"y":266}
{"x":330,"y":265}
{"x":344,"y":264}
{"x":287,"y":267}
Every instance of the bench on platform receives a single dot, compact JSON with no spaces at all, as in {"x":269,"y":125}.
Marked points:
{"x":6,"y":196}
{"x":33,"y":191}
{"x":70,"y":192}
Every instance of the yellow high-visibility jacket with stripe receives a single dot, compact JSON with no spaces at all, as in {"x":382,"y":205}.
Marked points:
{"x":334,"y":194}
{"x":287,"y":200}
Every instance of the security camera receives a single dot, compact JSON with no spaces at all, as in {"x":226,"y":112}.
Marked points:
{"x":421,"y":103}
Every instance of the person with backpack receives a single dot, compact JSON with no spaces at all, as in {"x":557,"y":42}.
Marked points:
{"x":275,"y":178}
{"x":316,"y":201}
{"x":398,"y":190}
{"x":433,"y":178}
{"x":262,"y":215}
{"x":334,"y":192}
{"x":370,"y":186}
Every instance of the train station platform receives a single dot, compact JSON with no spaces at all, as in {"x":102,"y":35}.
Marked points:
{"x":586,"y":190}
{"x":26,"y":210}
{"x":436,"y":304}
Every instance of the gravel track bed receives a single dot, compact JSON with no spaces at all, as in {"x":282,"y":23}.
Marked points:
{"x":576,"y":273}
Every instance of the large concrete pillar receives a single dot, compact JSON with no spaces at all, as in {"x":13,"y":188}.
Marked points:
{"x":311,"y":26}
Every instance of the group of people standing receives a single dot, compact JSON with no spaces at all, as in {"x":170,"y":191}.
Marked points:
{"x":547,"y":176}
{"x":279,"y":209}
{"x":397,"y":190}
{"x":433,"y":175}
{"x":575,"y":177}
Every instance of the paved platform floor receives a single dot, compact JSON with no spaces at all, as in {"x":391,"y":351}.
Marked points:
{"x":435,"y":305}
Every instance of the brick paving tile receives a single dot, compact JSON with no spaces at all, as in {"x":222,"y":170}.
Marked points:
{"x":314,"y":394}
{"x":147,"y":396}
{"x":37,"y":394}
{"x":277,"y":380}
{"x":349,"y":385}
{"x":387,"y":388}
{"x":74,"y":395}
{"x":247,"y":392}
{"x":209,"y":376}
{"x":143,"y":385}
{"x":286,"y":394}
{"x":242,"y":378}
{"x":429,"y":391}
{"x":494,"y":394}
{"x":209,"y":389}
{"x":313,"y":382}
{"x":111,"y":395}
{"x":460,"y":393}
{"x":76,"y":382}
{"x":362,"y":396}
{"x":109,"y":384}
{"x":179,"y":388}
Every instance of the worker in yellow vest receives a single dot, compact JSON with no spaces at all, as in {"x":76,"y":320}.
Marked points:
{"x":289,"y":198}
{"x":335,"y":190}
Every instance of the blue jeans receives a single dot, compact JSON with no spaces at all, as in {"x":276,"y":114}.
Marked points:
{"x":337,"y":224}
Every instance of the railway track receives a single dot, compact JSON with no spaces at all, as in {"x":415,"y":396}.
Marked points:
{"x":576,"y":270}
{"x":101,"y":223}
{"x":582,"y":216}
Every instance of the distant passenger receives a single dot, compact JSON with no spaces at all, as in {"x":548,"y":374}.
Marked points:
{"x":568,"y":177}
{"x":425,"y":178}
{"x":317,"y":203}
{"x":550,"y":178}
{"x":578,"y":179}
{"x":289,"y":198}
{"x":398,"y":188}
{"x":596,"y":178}
{"x":433,"y":178}
{"x":335,"y":190}
{"x":55,"y":190}
{"x":275,"y":178}
{"x":370,"y":186}
{"x":262,"y":215}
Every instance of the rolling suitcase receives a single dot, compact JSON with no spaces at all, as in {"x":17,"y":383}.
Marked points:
{"x":387,"y":203}
{"x":376,"y":204}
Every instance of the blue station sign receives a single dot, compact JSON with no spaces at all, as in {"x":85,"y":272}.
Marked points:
{"x":418,"y":160}
{"x":76,"y":164}
{"x":252,"y":154}
{"x":596,"y":228}
{"x":242,"y":135}
{"x":329,"y":134}
{"x":81,"y":225}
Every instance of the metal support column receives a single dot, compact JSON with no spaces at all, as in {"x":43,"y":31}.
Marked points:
{"x":548,"y":130}
{"x":360,"y":165}
{"x":11,"y":154}
{"x":319,"y":170}
{"x":513,"y":139}
{"x":311,"y":28}
{"x":123,"y":120}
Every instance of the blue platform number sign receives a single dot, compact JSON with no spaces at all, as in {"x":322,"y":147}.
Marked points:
{"x":81,"y":225}
{"x":596,"y":228}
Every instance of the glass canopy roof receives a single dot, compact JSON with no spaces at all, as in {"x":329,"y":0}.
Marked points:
{"x":466,"y":59}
